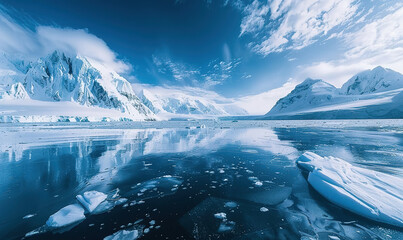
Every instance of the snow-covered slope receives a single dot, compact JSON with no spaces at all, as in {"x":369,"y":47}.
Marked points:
{"x":305,"y":95}
{"x":376,"y":80}
{"x":375,"y":93}
{"x":60,"y":77}
{"x":170,"y":102}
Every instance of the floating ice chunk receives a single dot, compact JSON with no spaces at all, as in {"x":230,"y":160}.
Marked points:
{"x":123,"y":235}
{"x":68,"y":215}
{"x":226,"y":226}
{"x":230,"y":204}
{"x":91,"y":199}
{"x":375,"y":195}
{"x":120,"y":201}
{"x":258,"y":183}
{"x":264,"y":209}
{"x":220,"y":215}
{"x":29,"y":216}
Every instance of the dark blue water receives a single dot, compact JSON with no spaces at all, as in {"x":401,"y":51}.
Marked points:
{"x":249,"y":174}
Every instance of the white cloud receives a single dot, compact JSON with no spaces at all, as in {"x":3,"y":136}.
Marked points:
{"x":294,"y":24}
{"x":375,"y":37}
{"x":253,"y":19}
{"x":178,"y":71}
{"x":17,"y":39}
{"x":377,"y":43}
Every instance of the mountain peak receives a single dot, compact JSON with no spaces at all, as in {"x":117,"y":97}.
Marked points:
{"x":378,"y":79}
{"x":312,"y":91}
{"x":379,"y":69}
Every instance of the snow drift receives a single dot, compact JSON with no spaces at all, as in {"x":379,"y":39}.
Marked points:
{"x":374,"y":195}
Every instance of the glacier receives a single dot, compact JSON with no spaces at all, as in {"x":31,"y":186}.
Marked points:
{"x":376,"y":93}
{"x":371,"y":194}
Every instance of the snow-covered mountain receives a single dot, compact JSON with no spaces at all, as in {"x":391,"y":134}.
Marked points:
{"x":376,"y":93}
{"x":60,"y":77}
{"x":171,"y":102}
{"x":305,"y":95}
{"x":378,"y":79}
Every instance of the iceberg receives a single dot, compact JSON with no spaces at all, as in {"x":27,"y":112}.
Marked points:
{"x":371,"y":194}
{"x":68,"y":215}
{"x":91,"y":199}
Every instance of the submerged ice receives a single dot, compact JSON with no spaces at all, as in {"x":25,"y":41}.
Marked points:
{"x":375,"y":195}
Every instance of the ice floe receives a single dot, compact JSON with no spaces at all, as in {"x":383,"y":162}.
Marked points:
{"x":28,"y":216}
{"x":123,"y":235}
{"x":375,"y":195}
{"x":66,"y":216}
{"x":91,"y":199}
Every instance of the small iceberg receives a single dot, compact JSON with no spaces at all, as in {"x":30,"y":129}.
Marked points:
{"x":375,"y":195}
{"x":91,"y":199}
{"x":66,"y":216}
{"x":124,"y":235}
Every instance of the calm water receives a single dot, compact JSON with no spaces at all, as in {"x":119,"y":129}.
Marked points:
{"x":248,"y":173}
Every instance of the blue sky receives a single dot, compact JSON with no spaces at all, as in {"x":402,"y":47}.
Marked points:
{"x":236,"y":48}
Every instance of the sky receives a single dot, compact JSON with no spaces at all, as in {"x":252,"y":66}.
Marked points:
{"x":254,"y":51}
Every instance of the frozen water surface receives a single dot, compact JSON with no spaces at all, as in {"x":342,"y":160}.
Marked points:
{"x":172,"y":180}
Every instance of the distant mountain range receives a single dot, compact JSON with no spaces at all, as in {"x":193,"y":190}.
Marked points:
{"x":174,"y":102}
{"x":65,"y":87}
{"x":376,"y":93}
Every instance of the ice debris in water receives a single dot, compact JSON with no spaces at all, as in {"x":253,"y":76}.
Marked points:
{"x":375,"y":195}
{"x":220,"y":215}
{"x":123,"y":235}
{"x":226,"y":226}
{"x":68,"y":215}
{"x":29,"y":216}
{"x":91,"y":199}
{"x":230,"y":204}
{"x":74,"y":213}
{"x":264,"y":209}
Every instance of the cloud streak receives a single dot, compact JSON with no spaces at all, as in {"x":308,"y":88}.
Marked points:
{"x":216,"y":72}
{"x":294,"y":24}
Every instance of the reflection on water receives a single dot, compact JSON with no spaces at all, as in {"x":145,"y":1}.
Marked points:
{"x":253,"y":169}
